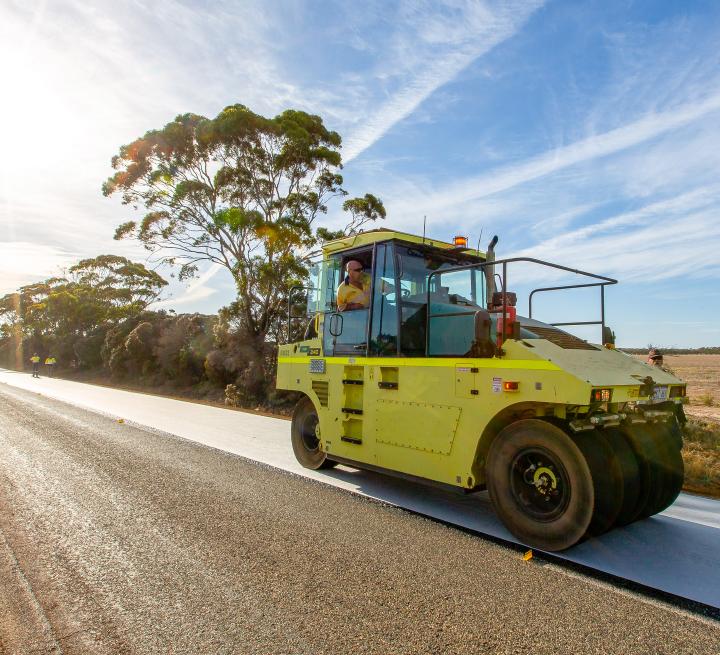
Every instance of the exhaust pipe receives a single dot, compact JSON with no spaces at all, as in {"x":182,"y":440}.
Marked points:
{"x":490,"y":270}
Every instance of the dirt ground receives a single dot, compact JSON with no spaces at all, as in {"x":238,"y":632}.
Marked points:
{"x":702,"y":374}
{"x":701,"y":450}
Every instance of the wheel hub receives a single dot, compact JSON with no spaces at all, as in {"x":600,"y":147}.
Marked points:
{"x":539,"y":484}
{"x":310,"y":432}
{"x":545,"y":481}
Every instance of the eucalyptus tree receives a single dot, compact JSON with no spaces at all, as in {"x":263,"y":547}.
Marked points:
{"x":242,"y":191}
{"x":116,"y":286}
{"x":95,"y":293}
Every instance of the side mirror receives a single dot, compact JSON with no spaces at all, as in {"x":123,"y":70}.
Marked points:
{"x":483,"y":344}
{"x":336,"y":325}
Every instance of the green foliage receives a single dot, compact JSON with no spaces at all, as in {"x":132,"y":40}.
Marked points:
{"x":362,"y":210}
{"x":242,"y":191}
{"x":88,"y":349}
{"x":120,"y":286}
{"x":60,"y":312}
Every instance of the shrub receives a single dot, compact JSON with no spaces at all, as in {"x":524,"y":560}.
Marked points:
{"x":88,"y":349}
{"x":139,"y":348}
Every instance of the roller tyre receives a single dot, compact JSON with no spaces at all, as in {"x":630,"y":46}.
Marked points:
{"x":651,"y":479}
{"x":670,"y":467}
{"x":630,"y":468}
{"x":607,"y":478}
{"x":540,"y":485}
{"x":305,"y":437}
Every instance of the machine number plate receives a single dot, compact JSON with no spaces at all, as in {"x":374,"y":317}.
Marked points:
{"x":660,"y":393}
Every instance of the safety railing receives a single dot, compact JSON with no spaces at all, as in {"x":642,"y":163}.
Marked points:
{"x":606,"y":281}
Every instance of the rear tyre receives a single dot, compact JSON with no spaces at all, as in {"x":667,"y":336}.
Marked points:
{"x":540,"y":485}
{"x":630,"y":468}
{"x":305,"y":437}
{"x":607,"y":480}
{"x":669,"y":466}
{"x":643,"y":447}
{"x":675,"y":427}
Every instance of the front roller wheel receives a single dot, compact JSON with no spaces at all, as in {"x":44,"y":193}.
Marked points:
{"x":305,"y":436}
{"x":540,"y":485}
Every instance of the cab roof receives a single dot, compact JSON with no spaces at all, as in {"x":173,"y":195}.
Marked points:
{"x":384,"y":234}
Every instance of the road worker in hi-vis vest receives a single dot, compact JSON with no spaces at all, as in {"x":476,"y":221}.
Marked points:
{"x":35,"y":359}
{"x":50,"y":363}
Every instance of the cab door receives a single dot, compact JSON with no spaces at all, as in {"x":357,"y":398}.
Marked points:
{"x":345,"y":345}
{"x":383,"y":374}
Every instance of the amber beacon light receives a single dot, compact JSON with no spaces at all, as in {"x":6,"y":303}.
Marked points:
{"x":460,"y":241}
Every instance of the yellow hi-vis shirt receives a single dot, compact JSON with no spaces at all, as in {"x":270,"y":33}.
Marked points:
{"x":348,"y":293}
{"x":49,"y":361}
{"x":35,"y":359}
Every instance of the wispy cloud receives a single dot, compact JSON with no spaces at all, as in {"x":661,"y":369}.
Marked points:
{"x":197,"y":290}
{"x":433,"y":48}
{"x":677,"y":237}
{"x":591,"y":148}
{"x":24,"y":262}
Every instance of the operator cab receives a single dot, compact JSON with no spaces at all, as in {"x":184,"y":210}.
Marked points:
{"x":405,"y":280}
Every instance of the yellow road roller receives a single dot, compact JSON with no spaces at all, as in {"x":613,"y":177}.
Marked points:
{"x":412,"y":358}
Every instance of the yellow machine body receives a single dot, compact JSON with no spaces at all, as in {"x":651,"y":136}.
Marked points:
{"x":435,"y":417}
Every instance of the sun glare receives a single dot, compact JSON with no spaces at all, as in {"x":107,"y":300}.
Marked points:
{"x":37,"y":113}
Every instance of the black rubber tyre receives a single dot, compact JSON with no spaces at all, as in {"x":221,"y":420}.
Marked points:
{"x":669,"y":465}
{"x":630,"y":468}
{"x":305,"y":441}
{"x":540,"y":485}
{"x":607,"y":480}
{"x":643,"y":445}
{"x":675,"y":427}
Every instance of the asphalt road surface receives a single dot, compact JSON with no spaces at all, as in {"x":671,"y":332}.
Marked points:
{"x":675,"y":552}
{"x":118,"y":539}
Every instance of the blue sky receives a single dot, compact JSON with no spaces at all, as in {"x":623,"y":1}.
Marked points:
{"x":585,"y":133}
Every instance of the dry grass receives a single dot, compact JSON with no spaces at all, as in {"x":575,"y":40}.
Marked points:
{"x":701,"y":455}
{"x":701,"y":452}
{"x":702,"y":374}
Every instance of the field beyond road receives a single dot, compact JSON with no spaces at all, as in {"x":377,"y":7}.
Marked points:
{"x":702,"y":374}
{"x":701,"y":450}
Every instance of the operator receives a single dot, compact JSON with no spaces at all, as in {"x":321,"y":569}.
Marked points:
{"x":354,"y":292}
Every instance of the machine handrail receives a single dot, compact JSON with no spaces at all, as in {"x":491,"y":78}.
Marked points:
{"x":607,"y":281}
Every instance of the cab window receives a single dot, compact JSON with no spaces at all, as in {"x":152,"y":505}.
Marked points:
{"x":346,"y":332}
{"x":452,"y":296}
{"x":384,"y":329}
